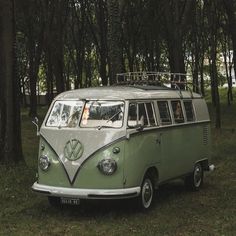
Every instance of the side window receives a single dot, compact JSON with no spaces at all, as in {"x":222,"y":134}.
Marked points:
{"x":132,"y":116}
{"x":189,"y":111}
{"x":164,"y":112}
{"x":150,"y":113}
{"x":141,"y":113}
{"x":177,"y":111}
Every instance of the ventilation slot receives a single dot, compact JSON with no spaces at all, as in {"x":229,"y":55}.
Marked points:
{"x":205,"y":135}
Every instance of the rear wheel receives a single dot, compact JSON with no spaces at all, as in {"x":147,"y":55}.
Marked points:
{"x":195,"y":180}
{"x":147,"y":191}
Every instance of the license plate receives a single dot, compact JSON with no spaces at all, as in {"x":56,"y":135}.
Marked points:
{"x":70,"y":201}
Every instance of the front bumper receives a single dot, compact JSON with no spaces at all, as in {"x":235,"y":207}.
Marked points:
{"x":86,"y":193}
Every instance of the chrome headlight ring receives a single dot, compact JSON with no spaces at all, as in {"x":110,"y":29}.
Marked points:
{"x":107,"y":166}
{"x":44,"y":162}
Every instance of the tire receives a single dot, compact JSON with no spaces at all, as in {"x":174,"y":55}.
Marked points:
{"x":145,"y":198}
{"x":54,"y":201}
{"x":194,"y":181}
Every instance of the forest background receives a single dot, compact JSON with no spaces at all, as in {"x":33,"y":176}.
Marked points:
{"x":50,"y":46}
{"x":47,"y":47}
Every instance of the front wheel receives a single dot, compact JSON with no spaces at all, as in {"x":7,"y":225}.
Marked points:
{"x":195,"y":180}
{"x":146,"y":195}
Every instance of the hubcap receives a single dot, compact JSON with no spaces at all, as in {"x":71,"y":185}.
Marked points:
{"x":147,"y":193}
{"x":198,"y":176}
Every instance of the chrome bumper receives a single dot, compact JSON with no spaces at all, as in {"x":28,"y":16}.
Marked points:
{"x":86,"y":193}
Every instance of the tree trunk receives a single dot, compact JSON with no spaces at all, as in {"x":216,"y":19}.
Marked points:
{"x":32,"y":77}
{"x":176,"y":21}
{"x":211,"y":8}
{"x":103,"y":41}
{"x":227,"y":58}
{"x":55,"y":13}
{"x":58,"y":53}
{"x":114,"y":39}
{"x":230,"y":6}
{"x":215,"y":88}
{"x":34,"y":31}
{"x":49,"y":76}
{"x":10,"y":123}
{"x":202,"y":77}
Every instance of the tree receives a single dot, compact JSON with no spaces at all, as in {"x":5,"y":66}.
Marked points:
{"x":66,"y":44}
{"x":225,"y":41}
{"x":101,"y":16}
{"x":213,"y":24}
{"x":10,"y":124}
{"x":230,"y":7}
{"x":177,"y":17}
{"x":78,"y":33}
{"x":114,"y":39}
{"x":131,"y":33}
{"x":34,"y":32}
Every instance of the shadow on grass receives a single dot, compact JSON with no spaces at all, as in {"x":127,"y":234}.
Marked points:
{"x":167,"y":194}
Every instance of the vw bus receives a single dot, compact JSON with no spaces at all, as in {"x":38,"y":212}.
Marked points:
{"x":123,"y":141}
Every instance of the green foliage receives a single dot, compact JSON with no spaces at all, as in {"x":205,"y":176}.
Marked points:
{"x":224,"y":139}
{"x":76,"y":33}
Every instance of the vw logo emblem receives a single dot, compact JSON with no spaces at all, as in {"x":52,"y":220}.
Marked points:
{"x":73,"y":150}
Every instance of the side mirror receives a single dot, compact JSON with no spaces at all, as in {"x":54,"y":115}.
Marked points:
{"x":36,"y":123}
{"x":139,"y":127}
{"x":136,"y":125}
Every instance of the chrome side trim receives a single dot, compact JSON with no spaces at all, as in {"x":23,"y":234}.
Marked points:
{"x":86,"y":193}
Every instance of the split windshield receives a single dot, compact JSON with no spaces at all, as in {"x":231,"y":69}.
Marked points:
{"x":92,"y":114}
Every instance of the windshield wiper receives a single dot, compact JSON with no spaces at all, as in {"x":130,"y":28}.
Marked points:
{"x":116,"y":114}
{"x":109,"y":119}
{"x":103,"y":126}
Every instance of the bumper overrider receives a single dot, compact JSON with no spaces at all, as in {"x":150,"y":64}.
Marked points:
{"x":86,"y":193}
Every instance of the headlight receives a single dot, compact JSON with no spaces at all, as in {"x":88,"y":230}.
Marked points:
{"x":107,"y":166}
{"x":44,"y":163}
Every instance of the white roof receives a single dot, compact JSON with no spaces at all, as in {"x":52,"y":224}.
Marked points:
{"x":126,"y":93}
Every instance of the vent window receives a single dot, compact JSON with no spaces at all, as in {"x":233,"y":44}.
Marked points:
{"x":164,"y":112}
{"x":177,"y":111}
{"x":189,"y":111}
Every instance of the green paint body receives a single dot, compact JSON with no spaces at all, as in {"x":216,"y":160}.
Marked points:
{"x":173,"y":151}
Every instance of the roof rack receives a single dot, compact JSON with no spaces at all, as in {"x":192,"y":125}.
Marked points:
{"x":176,"y":81}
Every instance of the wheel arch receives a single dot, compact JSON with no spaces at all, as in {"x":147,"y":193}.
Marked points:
{"x":204,"y":163}
{"x":154,"y":174}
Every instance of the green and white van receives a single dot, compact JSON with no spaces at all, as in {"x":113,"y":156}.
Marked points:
{"x":122,"y":141}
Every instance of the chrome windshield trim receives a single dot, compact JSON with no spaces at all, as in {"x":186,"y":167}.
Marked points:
{"x":86,"y":193}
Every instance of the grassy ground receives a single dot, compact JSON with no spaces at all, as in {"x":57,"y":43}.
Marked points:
{"x":212,"y":211}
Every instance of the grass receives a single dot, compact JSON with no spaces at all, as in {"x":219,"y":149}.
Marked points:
{"x":211,"y":211}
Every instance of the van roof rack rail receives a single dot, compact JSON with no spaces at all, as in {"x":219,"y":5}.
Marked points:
{"x":151,"y":78}
{"x":177,"y":81}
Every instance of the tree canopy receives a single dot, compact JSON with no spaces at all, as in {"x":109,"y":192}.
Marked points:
{"x":59,"y":45}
